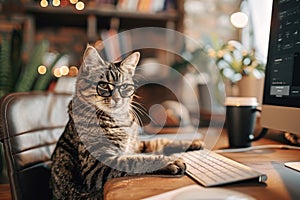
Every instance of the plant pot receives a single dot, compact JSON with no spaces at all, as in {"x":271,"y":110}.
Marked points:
{"x":250,"y":86}
{"x":231,"y":89}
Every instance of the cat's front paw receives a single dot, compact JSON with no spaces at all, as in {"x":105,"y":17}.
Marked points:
{"x":196,"y":145}
{"x":176,"y":167}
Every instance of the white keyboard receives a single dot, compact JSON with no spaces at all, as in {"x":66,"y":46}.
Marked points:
{"x":211,"y":169}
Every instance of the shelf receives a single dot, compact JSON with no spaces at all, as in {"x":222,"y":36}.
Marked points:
{"x":69,"y":26}
{"x":103,"y":12}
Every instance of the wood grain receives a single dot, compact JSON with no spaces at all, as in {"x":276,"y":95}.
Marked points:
{"x":5,"y":192}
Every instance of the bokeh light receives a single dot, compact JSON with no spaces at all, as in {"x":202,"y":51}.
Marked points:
{"x":42,"y":69}
{"x":73,"y":1}
{"x":56,"y":3}
{"x":64,"y":70}
{"x":73,"y":71}
{"x":44,"y":3}
{"x":57,"y":73}
{"x":239,"y":19}
{"x":79,"y":5}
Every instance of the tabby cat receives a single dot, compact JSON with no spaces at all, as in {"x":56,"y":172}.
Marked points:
{"x":100,"y":139}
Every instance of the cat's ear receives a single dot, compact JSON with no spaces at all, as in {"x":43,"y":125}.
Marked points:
{"x":130,"y":62}
{"x":91,"y":57}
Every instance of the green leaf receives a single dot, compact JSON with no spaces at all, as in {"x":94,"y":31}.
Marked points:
{"x":29,"y":75}
{"x":15,"y":54}
{"x":5,"y":67}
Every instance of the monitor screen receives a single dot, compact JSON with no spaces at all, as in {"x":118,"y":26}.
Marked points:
{"x":281,"y":100}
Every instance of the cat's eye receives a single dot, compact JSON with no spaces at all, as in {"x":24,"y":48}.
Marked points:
{"x":104,"y":86}
{"x":106,"y":89}
{"x":123,"y":86}
{"x":126,"y":90}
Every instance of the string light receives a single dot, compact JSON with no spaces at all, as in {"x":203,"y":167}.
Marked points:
{"x":73,"y":71}
{"x":79,"y":5}
{"x":56,"y":3}
{"x":64,"y":70}
{"x":42,"y":69}
{"x":57,"y":73}
{"x":44,"y":3}
{"x":239,"y":19}
{"x":73,"y":1}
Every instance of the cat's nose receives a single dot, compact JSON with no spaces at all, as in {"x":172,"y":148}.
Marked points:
{"x":116,"y":97}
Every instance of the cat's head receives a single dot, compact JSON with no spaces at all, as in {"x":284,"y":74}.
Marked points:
{"x":108,"y":86}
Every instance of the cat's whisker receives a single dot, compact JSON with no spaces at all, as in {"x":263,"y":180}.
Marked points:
{"x":143,"y":112}
{"x":139,"y":108}
{"x":136,"y":116}
{"x":136,"y":102}
{"x":137,"y":112}
{"x":136,"y":96}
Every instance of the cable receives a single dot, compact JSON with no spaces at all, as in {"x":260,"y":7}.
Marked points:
{"x":268,"y":146}
{"x":262,"y":134}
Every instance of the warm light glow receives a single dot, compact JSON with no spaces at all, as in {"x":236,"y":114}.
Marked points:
{"x":73,"y":71}
{"x":64,"y":70}
{"x":42,"y":69}
{"x":56,"y":2}
{"x":79,"y":5}
{"x":44,"y":3}
{"x":64,"y":3}
{"x":73,"y":1}
{"x":56,"y":72}
{"x":239,"y":19}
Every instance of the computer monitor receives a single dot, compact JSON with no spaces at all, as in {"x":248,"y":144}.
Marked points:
{"x":281,"y":99}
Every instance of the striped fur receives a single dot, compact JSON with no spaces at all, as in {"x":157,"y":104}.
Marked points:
{"x":100,"y":141}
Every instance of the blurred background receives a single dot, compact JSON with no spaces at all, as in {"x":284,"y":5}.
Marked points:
{"x":42,"y":43}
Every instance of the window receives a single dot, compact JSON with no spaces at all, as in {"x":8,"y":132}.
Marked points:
{"x":256,"y":34}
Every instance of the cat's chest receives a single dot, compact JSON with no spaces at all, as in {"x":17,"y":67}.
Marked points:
{"x":126,"y":138}
{"x":120,"y":130}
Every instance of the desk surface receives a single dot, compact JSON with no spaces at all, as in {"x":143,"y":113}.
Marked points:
{"x":282,"y":183}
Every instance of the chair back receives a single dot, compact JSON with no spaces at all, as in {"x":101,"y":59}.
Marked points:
{"x":30,"y":126}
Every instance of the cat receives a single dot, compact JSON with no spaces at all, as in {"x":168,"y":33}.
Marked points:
{"x":100,"y":140}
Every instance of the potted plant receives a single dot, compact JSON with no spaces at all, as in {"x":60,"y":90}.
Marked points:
{"x":239,"y":67}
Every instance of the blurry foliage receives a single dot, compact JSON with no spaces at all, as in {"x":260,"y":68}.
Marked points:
{"x":17,"y":76}
{"x":234,"y":61}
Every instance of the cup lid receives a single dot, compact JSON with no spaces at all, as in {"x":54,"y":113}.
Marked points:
{"x":241,"y":101}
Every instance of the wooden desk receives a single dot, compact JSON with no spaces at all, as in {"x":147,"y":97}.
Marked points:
{"x":282,"y":183}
